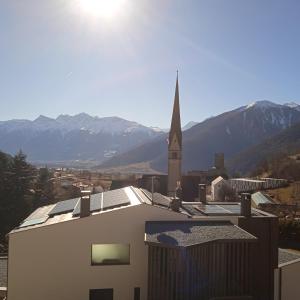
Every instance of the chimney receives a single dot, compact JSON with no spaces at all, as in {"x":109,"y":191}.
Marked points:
{"x":85,"y":202}
{"x":202,"y":193}
{"x":175,"y":204}
{"x":246,"y":205}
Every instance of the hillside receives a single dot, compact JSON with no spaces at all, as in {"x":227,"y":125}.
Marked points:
{"x":275,"y":148}
{"x":230,"y":132}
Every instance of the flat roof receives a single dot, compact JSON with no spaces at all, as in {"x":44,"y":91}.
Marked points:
{"x":189,"y":233}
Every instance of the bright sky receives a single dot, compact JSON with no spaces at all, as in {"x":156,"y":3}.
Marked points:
{"x":72,"y":56}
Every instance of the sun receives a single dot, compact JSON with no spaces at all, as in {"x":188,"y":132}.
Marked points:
{"x":102,"y":8}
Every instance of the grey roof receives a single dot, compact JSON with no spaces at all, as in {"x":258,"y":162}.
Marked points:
{"x":285,"y":256}
{"x":188,"y":233}
{"x":3,"y":271}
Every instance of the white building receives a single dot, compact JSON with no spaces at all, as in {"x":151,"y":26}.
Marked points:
{"x":240,"y":185}
{"x":120,"y":245}
{"x":55,"y":257}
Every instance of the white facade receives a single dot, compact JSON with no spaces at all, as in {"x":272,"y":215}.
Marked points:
{"x":287,"y":281}
{"x":216,"y":187}
{"x":54,"y":261}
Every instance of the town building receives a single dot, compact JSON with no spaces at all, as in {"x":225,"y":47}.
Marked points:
{"x":124,"y":245}
{"x":242,"y":185}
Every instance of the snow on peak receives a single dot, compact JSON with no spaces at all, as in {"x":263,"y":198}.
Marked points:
{"x":262,"y":104}
{"x":189,"y":125}
{"x":292,"y":104}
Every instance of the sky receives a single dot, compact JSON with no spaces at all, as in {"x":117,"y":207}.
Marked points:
{"x":58,"y":57}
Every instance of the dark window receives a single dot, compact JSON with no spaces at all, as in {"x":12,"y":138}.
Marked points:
{"x":137,"y":293}
{"x":103,"y":294}
{"x":174,"y":155}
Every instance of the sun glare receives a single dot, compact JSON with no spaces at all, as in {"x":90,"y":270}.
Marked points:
{"x":102,"y":8}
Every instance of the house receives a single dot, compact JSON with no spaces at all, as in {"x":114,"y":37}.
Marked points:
{"x":125,"y":244}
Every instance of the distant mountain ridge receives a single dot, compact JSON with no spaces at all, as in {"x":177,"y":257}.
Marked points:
{"x":230,"y":132}
{"x":67,"y":138}
{"x":82,"y":121}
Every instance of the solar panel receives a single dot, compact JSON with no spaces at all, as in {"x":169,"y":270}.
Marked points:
{"x":191,"y":210}
{"x":40,"y":212}
{"x":212,"y":209}
{"x":235,"y":209}
{"x":94,"y":205}
{"x":64,"y":207}
{"x":34,"y":222}
{"x":115,"y":198}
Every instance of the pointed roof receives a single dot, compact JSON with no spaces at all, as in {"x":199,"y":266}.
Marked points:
{"x":176,"y":123}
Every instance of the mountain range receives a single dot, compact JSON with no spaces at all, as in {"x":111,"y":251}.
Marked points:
{"x":231,"y":132}
{"x":71,"y":138}
{"x":114,"y":142}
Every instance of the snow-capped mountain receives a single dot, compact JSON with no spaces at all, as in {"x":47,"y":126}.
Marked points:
{"x":79,"y":137}
{"x":293,"y":105}
{"x":82,"y":121}
{"x":230,"y":132}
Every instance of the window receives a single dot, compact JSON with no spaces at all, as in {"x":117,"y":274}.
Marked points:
{"x":137,"y":293}
{"x":103,"y":294}
{"x":174,"y":155}
{"x":110,"y":254}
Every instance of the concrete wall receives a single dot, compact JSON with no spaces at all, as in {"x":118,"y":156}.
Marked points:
{"x":54,"y":262}
{"x":287,"y":281}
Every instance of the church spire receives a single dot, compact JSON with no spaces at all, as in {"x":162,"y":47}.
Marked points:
{"x":175,"y":147}
{"x":176,"y":123}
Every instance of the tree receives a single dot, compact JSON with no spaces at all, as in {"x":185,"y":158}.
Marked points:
{"x":16,"y":180}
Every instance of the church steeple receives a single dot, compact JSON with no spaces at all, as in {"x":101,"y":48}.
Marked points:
{"x":175,"y":146}
{"x":176,"y":123}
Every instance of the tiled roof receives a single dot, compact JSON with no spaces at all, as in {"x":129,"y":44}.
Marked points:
{"x":188,"y":233}
{"x":3,"y":271}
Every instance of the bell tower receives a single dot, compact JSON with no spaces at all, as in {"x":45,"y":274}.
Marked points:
{"x":175,"y":146}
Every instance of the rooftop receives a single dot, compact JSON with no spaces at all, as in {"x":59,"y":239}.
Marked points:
{"x":189,"y":233}
{"x":120,"y":199}
{"x":286,"y":256}
{"x":247,"y":180}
